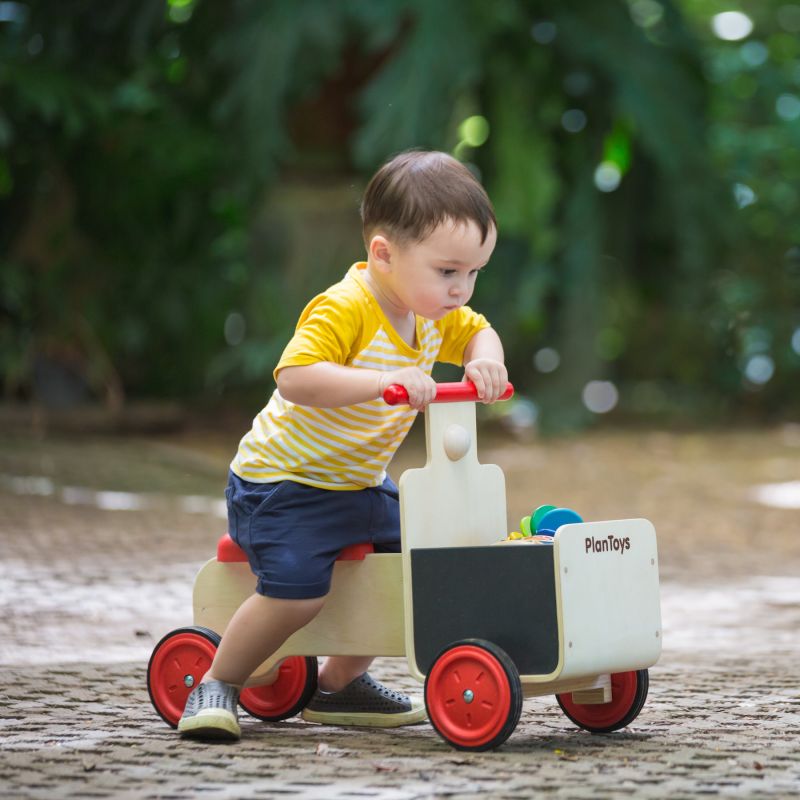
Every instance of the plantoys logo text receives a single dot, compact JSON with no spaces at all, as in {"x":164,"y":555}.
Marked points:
{"x":611,"y":544}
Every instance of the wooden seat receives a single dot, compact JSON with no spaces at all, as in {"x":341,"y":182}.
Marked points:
{"x":228,"y":551}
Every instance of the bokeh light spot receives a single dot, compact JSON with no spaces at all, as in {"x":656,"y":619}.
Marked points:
{"x":731,"y":25}
{"x":744,"y":195}
{"x":600,"y":397}
{"x":180,"y":10}
{"x":13,"y":12}
{"x":544,"y":32}
{"x":787,"y":107}
{"x":573,"y":120}
{"x":523,"y":414}
{"x":754,"y":54}
{"x":646,"y":13}
{"x":546,"y":360}
{"x":796,"y":341}
{"x":474,"y":131}
{"x":607,"y":176}
{"x":235,"y":328}
{"x":759,"y":369}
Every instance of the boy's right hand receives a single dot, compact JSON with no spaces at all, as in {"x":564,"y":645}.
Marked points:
{"x":421,"y":388}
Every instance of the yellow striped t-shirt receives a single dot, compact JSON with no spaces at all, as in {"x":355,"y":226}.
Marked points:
{"x":347,"y":447}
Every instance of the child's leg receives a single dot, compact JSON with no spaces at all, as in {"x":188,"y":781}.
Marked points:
{"x":257,"y":629}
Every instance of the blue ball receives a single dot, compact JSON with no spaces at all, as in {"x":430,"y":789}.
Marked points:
{"x":554,"y":519}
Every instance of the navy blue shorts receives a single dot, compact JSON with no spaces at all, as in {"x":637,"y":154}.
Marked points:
{"x":292,"y":533}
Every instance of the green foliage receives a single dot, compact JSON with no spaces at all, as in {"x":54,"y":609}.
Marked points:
{"x":644,"y":174}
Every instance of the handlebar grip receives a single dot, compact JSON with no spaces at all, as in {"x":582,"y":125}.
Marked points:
{"x":459,"y":392}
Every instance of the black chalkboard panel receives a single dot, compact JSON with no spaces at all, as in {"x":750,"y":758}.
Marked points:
{"x":503,"y":593}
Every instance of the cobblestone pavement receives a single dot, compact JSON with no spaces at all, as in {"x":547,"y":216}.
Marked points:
{"x":89,"y":581}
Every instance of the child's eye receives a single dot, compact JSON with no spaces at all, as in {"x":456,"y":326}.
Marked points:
{"x":447,"y":272}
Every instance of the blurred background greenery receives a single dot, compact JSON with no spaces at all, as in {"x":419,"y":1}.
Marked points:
{"x":178,"y":178}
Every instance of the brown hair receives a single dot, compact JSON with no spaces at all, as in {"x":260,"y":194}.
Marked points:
{"x":414,"y":192}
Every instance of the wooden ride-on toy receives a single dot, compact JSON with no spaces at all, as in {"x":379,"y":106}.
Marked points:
{"x":482,"y":626}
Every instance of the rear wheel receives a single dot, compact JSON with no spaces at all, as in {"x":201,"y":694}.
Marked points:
{"x":628,"y":695}
{"x":473,"y":695}
{"x":290,"y":694}
{"x":176,"y":666}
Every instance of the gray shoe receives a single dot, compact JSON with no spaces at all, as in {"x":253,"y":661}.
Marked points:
{"x":365,"y":702}
{"x":211,"y":712}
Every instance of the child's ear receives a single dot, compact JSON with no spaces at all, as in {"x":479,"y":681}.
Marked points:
{"x":380,"y":251}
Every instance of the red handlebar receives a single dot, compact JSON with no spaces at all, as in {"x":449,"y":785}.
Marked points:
{"x":396,"y":395}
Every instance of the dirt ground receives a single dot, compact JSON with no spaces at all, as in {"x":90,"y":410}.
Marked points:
{"x":100,"y":538}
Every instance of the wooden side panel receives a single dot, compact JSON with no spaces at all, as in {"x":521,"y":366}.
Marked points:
{"x":363,"y":614}
{"x":608,"y":596}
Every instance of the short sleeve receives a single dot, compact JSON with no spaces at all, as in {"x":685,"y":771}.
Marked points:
{"x":457,"y":328}
{"x":326,"y":331}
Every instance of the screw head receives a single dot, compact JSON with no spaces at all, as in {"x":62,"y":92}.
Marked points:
{"x":188,"y":681}
{"x":469,"y":695}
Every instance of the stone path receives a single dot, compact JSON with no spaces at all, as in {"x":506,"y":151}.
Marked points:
{"x":85,"y":592}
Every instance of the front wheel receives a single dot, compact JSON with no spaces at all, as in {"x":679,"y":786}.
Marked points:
{"x":473,"y":695}
{"x":628,"y":694}
{"x":288,"y":695}
{"x":177,"y":664}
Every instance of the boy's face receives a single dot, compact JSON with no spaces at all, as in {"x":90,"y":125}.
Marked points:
{"x":437,"y":275}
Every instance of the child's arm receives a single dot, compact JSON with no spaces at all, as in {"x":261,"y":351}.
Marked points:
{"x":327,"y":385}
{"x":483,"y":365}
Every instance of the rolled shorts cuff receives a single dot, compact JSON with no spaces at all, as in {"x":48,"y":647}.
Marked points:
{"x":292,"y":591}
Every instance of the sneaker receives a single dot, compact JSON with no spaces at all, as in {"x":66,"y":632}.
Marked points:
{"x":211,"y":712}
{"x":365,"y":702}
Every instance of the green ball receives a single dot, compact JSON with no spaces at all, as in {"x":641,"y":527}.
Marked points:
{"x":537,"y":515}
{"x":525,"y":526}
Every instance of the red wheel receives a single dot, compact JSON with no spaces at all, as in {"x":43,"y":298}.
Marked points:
{"x":296,"y":683}
{"x":473,"y":695}
{"x":628,"y":693}
{"x":177,"y":664}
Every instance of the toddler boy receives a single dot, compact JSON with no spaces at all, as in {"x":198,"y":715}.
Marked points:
{"x":310,"y":477}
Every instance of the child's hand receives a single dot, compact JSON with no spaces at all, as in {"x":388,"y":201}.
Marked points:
{"x":489,"y":376}
{"x":421,"y":388}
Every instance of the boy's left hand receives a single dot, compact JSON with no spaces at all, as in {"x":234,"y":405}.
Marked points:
{"x":489,"y":376}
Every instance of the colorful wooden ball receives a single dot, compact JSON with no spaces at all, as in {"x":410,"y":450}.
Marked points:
{"x":554,"y":519}
{"x":537,"y":515}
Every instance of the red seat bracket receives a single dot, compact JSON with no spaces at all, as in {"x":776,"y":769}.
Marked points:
{"x":228,"y":551}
